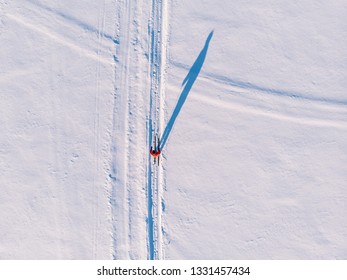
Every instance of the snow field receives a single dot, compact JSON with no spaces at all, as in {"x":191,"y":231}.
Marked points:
{"x":249,"y":99}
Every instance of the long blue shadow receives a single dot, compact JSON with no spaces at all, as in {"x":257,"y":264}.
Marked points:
{"x":187,"y":83}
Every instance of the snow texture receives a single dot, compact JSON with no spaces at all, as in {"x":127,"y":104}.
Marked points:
{"x":248,"y":97}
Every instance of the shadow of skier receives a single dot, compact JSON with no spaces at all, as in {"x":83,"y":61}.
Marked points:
{"x":188,"y":83}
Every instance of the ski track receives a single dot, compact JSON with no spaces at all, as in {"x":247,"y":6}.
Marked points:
{"x":71,"y":19}
{"x":126,"y":91}
{"x":119,"y":197}
{"x":250,"y":87}
{"x":247,"y":109}
{"x":152,"y":188}
{"x":100,"y":35}
{"x":128,"y":164}
{"x":255,"y":100}
{"x":115,"y":125}
{"x":58,"y":38}
{"x":157,"y":32}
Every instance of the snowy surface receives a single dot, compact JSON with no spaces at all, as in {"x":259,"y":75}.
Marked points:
{"x":256,"y":165}
{"x":249,"y":98}
{"x":56,"y":86}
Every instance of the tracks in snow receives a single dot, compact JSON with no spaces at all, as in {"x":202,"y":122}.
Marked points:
{"x":153,"y":192}
{"x":120,"y":136}
{"x":157,"y":32}
{"x":281,"y":105}
{"x":100,"y":36}
{"x":135,"y":182}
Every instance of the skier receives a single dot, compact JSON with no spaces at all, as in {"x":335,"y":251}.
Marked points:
{"x":154,"y":153}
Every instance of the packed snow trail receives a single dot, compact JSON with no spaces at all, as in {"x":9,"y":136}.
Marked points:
{"x":157,"y":35}
{"x":128,"y":166}
{"x":135,"y":182}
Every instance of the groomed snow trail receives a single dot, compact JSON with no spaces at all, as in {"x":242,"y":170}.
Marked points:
{"x":136,"y":184}
{"x":157,"y":31}
{"x":128,"y":164}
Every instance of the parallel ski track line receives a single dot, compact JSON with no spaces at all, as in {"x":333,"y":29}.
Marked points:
{"x":312,"y":113}
{"x":57,"y":38}
{"x":96,"y":143}
{"x":248,"y":109}
{"x":133,"y":101}
{"x":243,"y":86}
{"x":126,"y":88}
{"x":120,"y":181}
{"x":154,"y":188}
{"x":264,"y":103}
{"x":100,"y":35}
{"x":113,"y":169}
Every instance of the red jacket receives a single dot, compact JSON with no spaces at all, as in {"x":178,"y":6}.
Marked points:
{"x":154,"y":153}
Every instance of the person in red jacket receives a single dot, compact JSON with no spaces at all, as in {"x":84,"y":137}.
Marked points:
{"x":154,"y":153}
